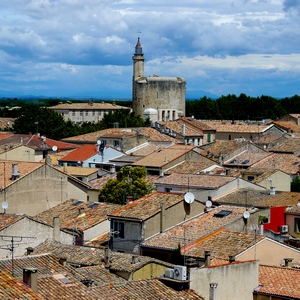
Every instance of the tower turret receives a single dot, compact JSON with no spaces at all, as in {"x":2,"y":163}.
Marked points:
{"x":138,"y":61}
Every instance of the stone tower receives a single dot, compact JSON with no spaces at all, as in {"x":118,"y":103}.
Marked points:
{"x":163,"y":95}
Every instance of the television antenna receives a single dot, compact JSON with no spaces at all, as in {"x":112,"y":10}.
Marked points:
{"x":13,"y":239}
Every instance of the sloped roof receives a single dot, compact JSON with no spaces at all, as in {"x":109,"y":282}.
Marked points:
{"x":147,"y":206}
{"x":24,"y":168}
{"x":36,"y":142}
{"x":196,"y":228}
{"x":288,"y":163}
{"x":176,"y":126}
{"x":121,"y":133}
{"x":196,"y":123}
{"x":12,"y":288}
{"x":84,"y":214}
{"x":237,"y":127}
{"x":259,"y":198}
{"x":81,"y":154}
{"x":88,"y":106}
{"x":290,"y":145}
{"x":246,"y":158}
{"x":152,"y":289}
{"x":222,"y":244}
{"x":278,"y":281}
{"x":161,"y":157}
{"x":45,"y":263}
{"x":222,"y":147}
{"x":87,"y":256}
{"x":201,"y":181}
{"x":190,"y":167}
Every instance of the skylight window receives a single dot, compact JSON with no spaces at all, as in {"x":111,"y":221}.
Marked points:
{"x":93,"y":205}
{"x":245,"y":161}
{"x":222,"y":213}
{"x":64,"y":280}
{"x":296,"y":163}
{"x":77,"y":203}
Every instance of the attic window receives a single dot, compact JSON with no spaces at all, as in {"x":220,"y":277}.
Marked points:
{"x":77,"y":203}
{"x":93,"y":205}
{"x":222,"y":213}
{"x":245,"y":161}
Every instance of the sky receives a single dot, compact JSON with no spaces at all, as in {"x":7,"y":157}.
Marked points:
{"x":75,"y":48}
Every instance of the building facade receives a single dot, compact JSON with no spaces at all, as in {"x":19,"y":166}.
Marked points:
{"x":157,"y":97}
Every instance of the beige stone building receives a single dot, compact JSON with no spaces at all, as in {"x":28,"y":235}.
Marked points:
{"x":85,"y":111}
{"x":157,"y":97}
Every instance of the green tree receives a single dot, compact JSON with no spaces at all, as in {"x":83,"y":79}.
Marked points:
{"x":295,"y":184}
{"x":130,"y":181}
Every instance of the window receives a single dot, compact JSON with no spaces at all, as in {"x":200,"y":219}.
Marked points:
{"x":116,"y":143}
{"x":168,"y":190}
{"x":86,"y":112}
{"x":250,"y":178}
{"x":93,"y":112}
{"x":81,"y":113}
{"x":73,"y":113}
{"x":208,"y":137}
{"x":118,"y":230}
{"x":297,"y":225}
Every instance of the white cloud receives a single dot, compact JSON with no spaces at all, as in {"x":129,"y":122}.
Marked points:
{"x":93,"y":41}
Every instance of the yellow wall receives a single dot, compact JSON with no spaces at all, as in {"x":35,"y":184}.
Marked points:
{"x":149,"y":271}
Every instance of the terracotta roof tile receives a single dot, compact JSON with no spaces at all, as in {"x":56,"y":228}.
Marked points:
{"x":81,"y":154}
{"x":195,"y":228}
{"x":189,"y":167}
{"x":246,"y":158}
{"x":195,"y":181}
{"x":258,"y":198}
{"x":222,"y":244}
{"x":291,"y":145}
{"x":147,"y":206}
{"x":176,"y":126}
{"x":84,"y":214}
{"x":88,"y":106}
{"x":12,"y":288}
{"x":279,"y":281}
{"x":239,"y":126}
{"x":161,"y":157}
{"x":288,"y":163}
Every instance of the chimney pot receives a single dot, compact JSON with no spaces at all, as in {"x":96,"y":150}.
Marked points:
{"x":207,"y":257}
{"x":231,"y":258}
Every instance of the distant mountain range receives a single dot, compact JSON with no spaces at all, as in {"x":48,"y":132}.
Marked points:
{"x":121,"y":95}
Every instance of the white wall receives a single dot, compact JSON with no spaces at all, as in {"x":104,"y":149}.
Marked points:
{"x":235,"y":281}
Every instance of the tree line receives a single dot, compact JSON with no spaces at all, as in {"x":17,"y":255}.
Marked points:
{"x":242,"y":107}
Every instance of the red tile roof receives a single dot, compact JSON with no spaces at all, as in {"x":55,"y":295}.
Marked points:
{"x":278,"y":281}
{"x":81,"y":154}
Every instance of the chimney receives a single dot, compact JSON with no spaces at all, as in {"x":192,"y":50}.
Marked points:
{"x":112,"y":169}
{"x":48,"y":160}
{"x":63,"y":261}
{"x":30,"y":278}
{"x":272,"y":191}
{"x":228,"y":171}
{"x":207,"y":258}
{"x":288,"y":262}
{"x":106,"y":255}
{"x":183,"y":129}
{"x":56,"y":229}
{"x":15,"y":172}
{"x":129,"y":199}
{"x":162,"y":217}
{"x":261,"y":229}
{"x":231,"y":258}
{"x":134,"y":259}
{"x":29,"y":250}
{"x":65,"y":167}
{"x":213,"y":291}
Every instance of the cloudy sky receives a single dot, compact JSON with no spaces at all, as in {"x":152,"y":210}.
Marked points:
{"x":76,"y":48}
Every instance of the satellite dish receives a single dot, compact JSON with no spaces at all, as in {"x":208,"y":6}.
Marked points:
{"x":4,"y":205}
{"x":54,"y":148}
{"x":98,"y":142}
{"x":246,"y":215}
{"x":208,"y":203}
{"x":189,"y":197}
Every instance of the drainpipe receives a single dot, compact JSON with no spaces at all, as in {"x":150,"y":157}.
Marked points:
{"x":162,"y":217}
